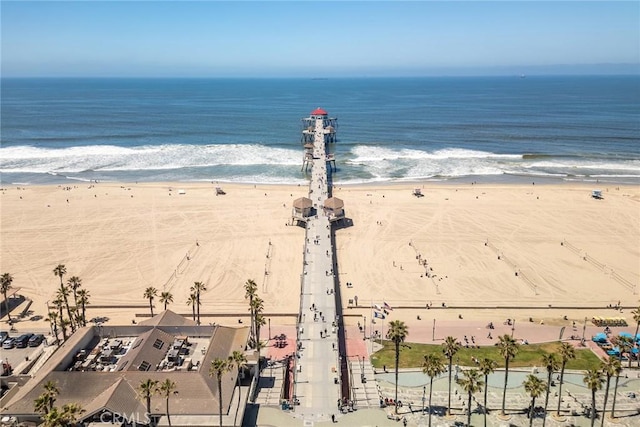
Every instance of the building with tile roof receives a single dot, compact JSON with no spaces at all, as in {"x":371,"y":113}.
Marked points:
{"x":100,"y":368}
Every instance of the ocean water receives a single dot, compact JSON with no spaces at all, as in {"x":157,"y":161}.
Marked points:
{"x":248,"y":130}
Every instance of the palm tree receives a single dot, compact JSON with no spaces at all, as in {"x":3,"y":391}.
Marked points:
{"x":219,"y":367}
{"x":63,"y":295}
{"x":63,"y":326}
{"x":625,"y":344}
{"x":75,"y":317}
{"x":566,"y":352}
{"x":198,"y":288}
{"x":251,"y":288}
{"x":471,"y":383}
{"x":150,"y":293}
{"x":617,"y":373}
{"x":397,"y":333}
{"x":433,"y":366}
{"x":166,"y":389}
{"x":192,"y":301}
{"x":51,"y":392}
{"x":259,"y":346}
{"x":41,"y":404}
{"x":53,"y":319}
{"x":58,"y":303}
{"x":450,"y":347}
{"x":166,"y":298}
{"x":552,"y":364}
{"x":508,"y":349}
{"x":535,"y":387}
{"x":70,"y":413}
{"x":260,"y":322}
{"x":237,"y":360}
{"x":74,"y":284}
{"x":60,"y":271}
{"x":5,"y":286}
{"x":146,"y":389}
{"x":611,"y":367}
{"x":636,"y":318}
{"x":257,"y":307}
{"x":486,"y":367}
{"x":53,"y":418}
{"x":83,"y":300}
{"x":593,"y":379}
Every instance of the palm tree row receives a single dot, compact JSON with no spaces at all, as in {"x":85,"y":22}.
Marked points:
{"x":76,"y":314}
{"x":219,"y":367}
{"x":434,"y":365}
{"x":166,"y":298}
{"x":251,"y":292}
{"x":256,"y":309}
{"x":51,"y":415}
{"x":147,"y":388}
{"x":472,"y":382}
{"x":197,"y":289}
{"x":594,"y":378}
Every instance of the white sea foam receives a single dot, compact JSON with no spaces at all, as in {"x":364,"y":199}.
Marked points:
{"x":416,"y":164}
{"x":578,"y":163}
{"x":257,"y":163}
{"x":364,"y":154}
{"x":21,"y":159}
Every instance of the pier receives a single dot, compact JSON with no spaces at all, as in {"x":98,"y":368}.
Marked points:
{"x":321,"y":387}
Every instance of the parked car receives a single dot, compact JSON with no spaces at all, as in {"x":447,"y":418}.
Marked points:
{"x":3,"y":336}
{"x":23,"y":340}
{"x":36,"y":340}
{"x":8,"y":343}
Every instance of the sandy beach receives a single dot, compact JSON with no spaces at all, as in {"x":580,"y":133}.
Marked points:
{"x":492,"y":251}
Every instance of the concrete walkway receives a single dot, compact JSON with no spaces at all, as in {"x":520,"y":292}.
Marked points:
{"x":317,"y":374}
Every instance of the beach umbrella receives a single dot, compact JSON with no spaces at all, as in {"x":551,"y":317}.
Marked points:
{"x":638,"y":338}
{"x":600,"y":337}
{"x":625,"y":334}
{"x":614,"y":351}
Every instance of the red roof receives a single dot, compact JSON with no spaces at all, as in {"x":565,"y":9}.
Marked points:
{"x":318,"y":112}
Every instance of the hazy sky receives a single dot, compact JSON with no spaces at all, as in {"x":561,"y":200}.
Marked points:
{"x":319,"y":38}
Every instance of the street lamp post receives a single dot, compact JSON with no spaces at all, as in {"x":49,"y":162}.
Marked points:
{"x":424,"y":391}
{"x":433,"y":335}
{"x":513,"y":327}
{"x":269,"y":327}
{"x":584,"y":329}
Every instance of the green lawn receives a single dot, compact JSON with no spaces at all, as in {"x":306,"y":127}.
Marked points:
{"x":412,"y":355}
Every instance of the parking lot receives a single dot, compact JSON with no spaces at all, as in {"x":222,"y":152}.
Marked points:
{"x":17,"y":357}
